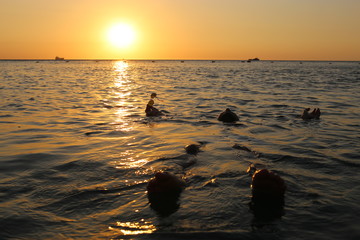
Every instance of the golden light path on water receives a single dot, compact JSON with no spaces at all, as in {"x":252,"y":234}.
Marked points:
{"x":120,"y":95}
{"x":122,"y":92}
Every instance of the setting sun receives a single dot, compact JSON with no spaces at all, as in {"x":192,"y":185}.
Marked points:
{"x":121,"y":35}
{"x":143,"y":29}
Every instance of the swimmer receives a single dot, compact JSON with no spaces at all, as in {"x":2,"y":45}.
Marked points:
{"x":268,"y":190}
{"x":165,"y":182}
{"x":163,"y":192}
{"x":228,"y":116}
{"x":150,"y":110}
{"x":267,"y":187}
{"x":315,"y":114}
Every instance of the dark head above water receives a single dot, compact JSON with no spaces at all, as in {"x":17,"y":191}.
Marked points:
{"x":228,"y":116}
{"x":267,"y":187}
{"x":315,"y":114}
{"x":192,"y":149}
{"x":163,"y":192}
{"x":165,"y":182}
{"x":268,"y":190}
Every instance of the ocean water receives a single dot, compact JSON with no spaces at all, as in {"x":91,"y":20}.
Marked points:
{"x":77,"y":150}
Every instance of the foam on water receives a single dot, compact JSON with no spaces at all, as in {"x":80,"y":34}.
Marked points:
{"x":77,"y":151}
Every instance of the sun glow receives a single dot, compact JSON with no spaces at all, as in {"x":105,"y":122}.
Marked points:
{"x":121,"y":35}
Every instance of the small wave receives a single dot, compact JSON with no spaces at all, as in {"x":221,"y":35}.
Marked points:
{"x":6,"y":122}
{"x":277,"y":126}
{"x":6,"y":116}
{"x":279,"y":106}
{"x":212,"y":76}
{"x":93,"y":132}
{"x":259,"y":130}
{"x":14,"y":105}
{"x":79,"y":165}
{"x":115,"y":133}
{"x":352,"y":160}
{"x":28,"y":161}
{"x":12,"y":226}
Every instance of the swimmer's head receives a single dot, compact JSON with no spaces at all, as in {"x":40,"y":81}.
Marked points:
{"x":153,"y":95}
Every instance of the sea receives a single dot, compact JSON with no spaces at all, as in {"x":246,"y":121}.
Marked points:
{"x":77,"y":151}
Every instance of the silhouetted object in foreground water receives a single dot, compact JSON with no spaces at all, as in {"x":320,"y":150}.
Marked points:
{"x":163,"y":192}
{"x":268,"y":190}
{"x":192,"y":149}
{"x":228,"y":116}
{"x":150,"y":110}
{"x":315,"y":114}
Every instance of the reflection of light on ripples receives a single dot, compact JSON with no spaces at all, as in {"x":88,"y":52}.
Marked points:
{"x":130,"y":163}
{"x":121,"y":66}
{"x":121,"y":123}
{"x":135,"y":228}
{"x":121,"y":94}
{"x":121,"y":74}
{"x":127,"y":161}
{"x":122,"y":98}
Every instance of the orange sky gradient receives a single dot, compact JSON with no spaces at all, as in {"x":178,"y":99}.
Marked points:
{"x":182,"y":29}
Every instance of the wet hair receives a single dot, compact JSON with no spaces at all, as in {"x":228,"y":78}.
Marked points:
{"x":153,"y":94}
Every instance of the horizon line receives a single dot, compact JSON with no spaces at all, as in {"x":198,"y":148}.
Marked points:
{"x":165,"y":59}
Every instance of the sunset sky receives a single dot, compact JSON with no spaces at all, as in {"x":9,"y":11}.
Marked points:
{"x":180,"y":29}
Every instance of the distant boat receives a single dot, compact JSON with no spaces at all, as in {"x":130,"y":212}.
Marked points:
{"x":58,"y":58}
{"x":253,"y":59}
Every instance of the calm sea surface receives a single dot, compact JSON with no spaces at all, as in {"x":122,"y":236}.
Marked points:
{"x":76,"y":150}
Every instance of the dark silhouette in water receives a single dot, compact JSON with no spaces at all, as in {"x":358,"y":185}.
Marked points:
{"x":315,"y":114}
{"x":163,"y":192}
{"x":268,"y":190}
{"x":193,"y":149}
{"x":228,"y":116}
{"x":150,"y":110}
{"x":164,"y":189}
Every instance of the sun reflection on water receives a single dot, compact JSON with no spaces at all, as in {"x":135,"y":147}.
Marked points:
{"x":121,"y":94}
{"x":121,"y":66}
{"x":121,"y":74}
{"x":129,"y":161}
{"x":134,"y":228}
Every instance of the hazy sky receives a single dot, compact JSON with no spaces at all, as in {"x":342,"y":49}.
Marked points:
{"x":182,"y":29}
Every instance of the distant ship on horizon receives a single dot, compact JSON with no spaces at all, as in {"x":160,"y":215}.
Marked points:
{"x":253,"y":59}
{"x":59,"y":58}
